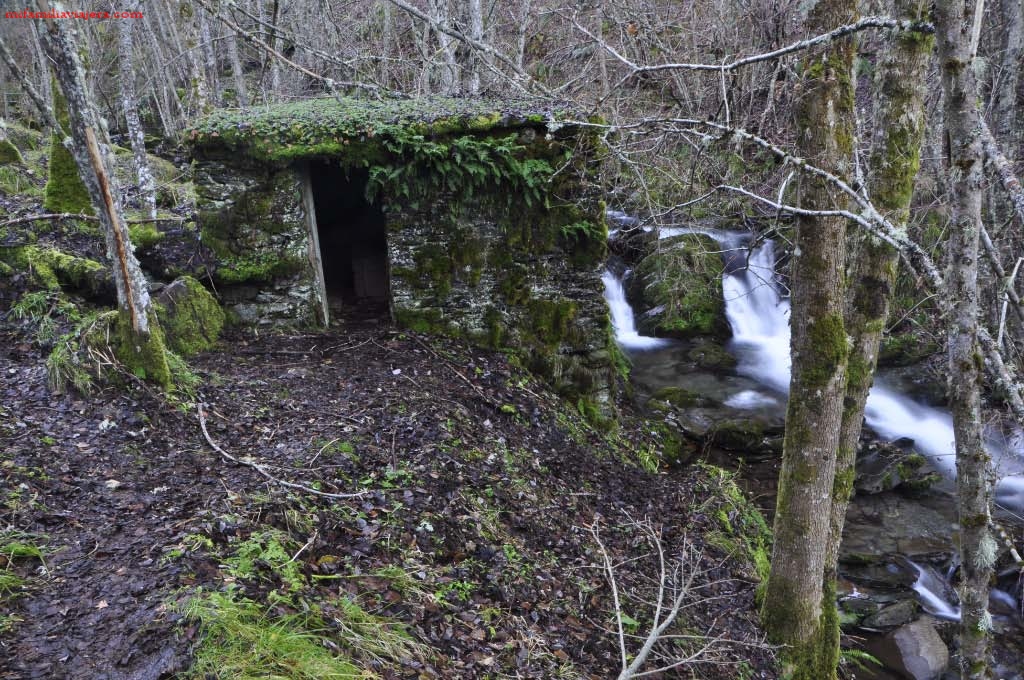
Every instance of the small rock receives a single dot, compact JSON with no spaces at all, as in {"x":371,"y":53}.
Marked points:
{"x":894,"y":615}
{"x":112,"y":484}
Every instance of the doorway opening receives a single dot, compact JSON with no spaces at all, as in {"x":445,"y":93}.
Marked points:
{"x":353,"y":243}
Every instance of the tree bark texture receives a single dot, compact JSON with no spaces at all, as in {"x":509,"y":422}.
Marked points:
{"x":141,"y":335}
{"x":799,"y":608}
{"x":963,"y":127}
{"x":1004,"y":105}
{"x":129,"y":99}
{"x":872,"y":267}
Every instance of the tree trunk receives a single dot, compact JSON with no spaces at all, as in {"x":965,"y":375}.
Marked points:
{"x":873,"y":264}
{"x":448,"y":74}
{"x":799,"y":608}
{"x":963,"y":127}
{"x":476,"y":32}
{"x":141,"y":346}
{"x":143,"y":173}
{"x":1004,"y":106}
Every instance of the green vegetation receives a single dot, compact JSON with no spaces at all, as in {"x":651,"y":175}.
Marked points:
{"x":242,"y":639}
{"x":684,"y":278}
{"x":9,"y":153}
{"x":17,"y":550}
{"x":743,"y":529}
{"x":299,"y":632}
{"x":190,"y":317}
{"x":65,"y":191}
{"x":51,"y":268}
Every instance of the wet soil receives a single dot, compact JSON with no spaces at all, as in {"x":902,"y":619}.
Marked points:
{"x":475,"y":481}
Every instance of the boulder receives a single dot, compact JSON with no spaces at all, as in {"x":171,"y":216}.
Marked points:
{"x":681,"y":286}
{"x":897,"y":614}
{"x":190,"y":316}
{"x":915,"y":650}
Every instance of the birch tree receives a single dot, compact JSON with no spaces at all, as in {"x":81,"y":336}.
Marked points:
{"x":140,"y":343}
{"x":130,"y":102}
{"x":956,"y":25}
{"x":799,"y":607}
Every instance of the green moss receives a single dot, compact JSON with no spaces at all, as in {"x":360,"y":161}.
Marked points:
{"x":326,"y":126}
{"x":9,"y":153}
{"x":550,"y":320}
{"x":144,"y":236}
{"x":674,"y":449}
{"x":676,"y":396}
{"x":51,"y":268}
{"x":428,"y":320}
{"x":145,"y":356}
{"x":190,"y":317}
{"x":65,"y":191}
{"x":829,"y":343}
{"x":684,"y":279}
{"x":256,"y":267}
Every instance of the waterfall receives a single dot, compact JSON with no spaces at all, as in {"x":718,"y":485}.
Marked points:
{"x":622,"y":317}
{"x":758,"y":313}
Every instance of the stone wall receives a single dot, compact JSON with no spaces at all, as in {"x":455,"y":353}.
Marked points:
{"x":508,"y":279}
{"x":493,"y":269}
{"x":252,"y":221}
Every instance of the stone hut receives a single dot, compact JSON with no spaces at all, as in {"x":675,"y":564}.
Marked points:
{"x":469,"y":218}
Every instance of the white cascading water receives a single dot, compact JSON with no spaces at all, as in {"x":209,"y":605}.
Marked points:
{"x":626,"y":333}
{"x":759,"y":317}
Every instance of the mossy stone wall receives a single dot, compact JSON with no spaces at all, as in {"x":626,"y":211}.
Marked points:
{"x":252,"y":224}
{"x":507,"y":281}
{"x":485,"y":241}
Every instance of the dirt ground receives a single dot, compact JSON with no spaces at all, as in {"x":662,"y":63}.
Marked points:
{"x":476,"y":483}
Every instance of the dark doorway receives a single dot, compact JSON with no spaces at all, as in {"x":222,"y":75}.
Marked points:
{"x":353,"y":243}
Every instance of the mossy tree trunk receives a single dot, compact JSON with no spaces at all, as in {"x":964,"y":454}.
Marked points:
{"x":799,"y":607}
{"x":871,"y":272}
{"x":141,"y":341}
{"x":143,"y":173}
{"x":963,"y":128}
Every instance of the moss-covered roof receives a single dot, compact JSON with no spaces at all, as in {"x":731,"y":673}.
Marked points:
{"x":330,"y":126}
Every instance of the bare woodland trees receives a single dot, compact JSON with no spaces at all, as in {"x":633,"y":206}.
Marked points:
{"x":692,"y":91}
{"x":963,"y":125}
{"x":799,"y":606}
{"x":141,"y":344}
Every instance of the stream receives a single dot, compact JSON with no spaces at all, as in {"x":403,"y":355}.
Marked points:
{"x":757,"y":310}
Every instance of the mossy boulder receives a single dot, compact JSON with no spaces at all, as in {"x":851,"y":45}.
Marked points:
{"x":191,"y":318}
{"x":711,"y":355}
{"x":681,"y":286}
{"x":9,"y":153}
{"x":740,"y":435}
{"x":677,"y":396}
{"x":65,"y":192}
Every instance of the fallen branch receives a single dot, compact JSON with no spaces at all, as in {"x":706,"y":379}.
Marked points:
{"x":82,"y":216}
{"x":262,"y":470}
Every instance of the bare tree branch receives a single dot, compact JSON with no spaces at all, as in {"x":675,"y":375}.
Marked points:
{"x":835,"y":34}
